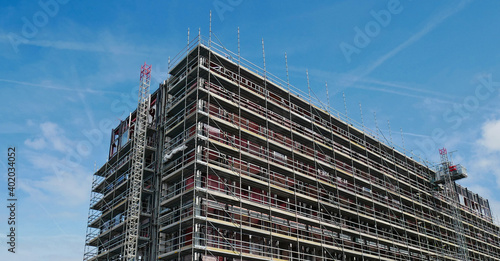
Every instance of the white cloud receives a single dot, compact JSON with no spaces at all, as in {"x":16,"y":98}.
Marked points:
{"x":37,"y":144}
{"x":491,"y":135}
{"x":52,"y":136}
{"x":484,"y":166}
{"x":54,"y":248}
{"x":60,"y":176}
{"x":55,"y":136}
{"x":59,"y":185}
{"x":66,"y":183}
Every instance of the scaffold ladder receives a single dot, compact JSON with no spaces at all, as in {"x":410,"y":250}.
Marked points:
{"x":451,"y":194}
{"x":138,"y":150}
{"x":91,"y":251}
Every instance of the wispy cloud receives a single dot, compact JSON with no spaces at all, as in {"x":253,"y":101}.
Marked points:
{"x":67,"y":185}
{"x":404,"y":86}
{"x":433,"y":22}
{"x":51,"y":137}
{"x":88,"y":111}
{"x":415,"y":135}
{"x":397,"y":88}
{"x":55,"y":136}
{"x":401,"y":93}
{"x":53,"y":87}
{"x":48,"y":247}
{"x":36,"y":143}
{"x":63,"y":181}
{"x":13,"y":128}
{"x":73,"y":46}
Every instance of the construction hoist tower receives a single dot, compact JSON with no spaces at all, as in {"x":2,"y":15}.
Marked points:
{"x":135,"y":186}
{"x":447,"y":174}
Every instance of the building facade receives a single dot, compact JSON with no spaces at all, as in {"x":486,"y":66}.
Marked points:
{"x":240,"y":167}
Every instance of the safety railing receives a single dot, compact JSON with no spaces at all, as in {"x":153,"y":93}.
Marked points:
{"x":108,"y":204}
{"x":180,"y":94}
{"x":262,"y":152}
{"x":180,"y":116}
{"x":302,"y":130}
{"x":175,"y":241}
{"x":177,"y":188}
{"x":298,"y":110}
{"x":178,"y":162}
{"x":253,"y":170}
{"x":177,"y":214}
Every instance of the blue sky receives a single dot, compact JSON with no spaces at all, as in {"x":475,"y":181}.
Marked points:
{"x":69,"y":71}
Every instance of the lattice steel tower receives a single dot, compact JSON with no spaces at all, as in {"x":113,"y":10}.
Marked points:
{"x":449,"y":188}
{"x":139,"y":143}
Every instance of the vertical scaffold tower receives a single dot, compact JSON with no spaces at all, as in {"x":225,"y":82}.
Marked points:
{"x":135,"y":187}
{"x":448,"y":169}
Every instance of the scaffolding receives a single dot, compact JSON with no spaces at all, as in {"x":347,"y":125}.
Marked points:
{"x":122,"y":201}
{"x":253,"y":171}
{"x":451,"y":173}
{"x":251,"y":168}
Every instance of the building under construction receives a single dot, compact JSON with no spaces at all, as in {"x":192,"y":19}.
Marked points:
{"x":227,"y":162}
